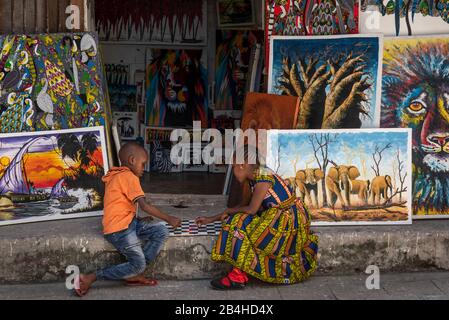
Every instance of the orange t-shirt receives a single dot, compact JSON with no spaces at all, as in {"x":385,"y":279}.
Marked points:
{"x":123,"y":190}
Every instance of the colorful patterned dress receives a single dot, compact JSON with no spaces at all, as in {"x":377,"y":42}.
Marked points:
{"x":275,"y":246}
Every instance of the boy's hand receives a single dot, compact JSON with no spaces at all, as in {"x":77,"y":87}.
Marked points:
{"x":174,"y":222}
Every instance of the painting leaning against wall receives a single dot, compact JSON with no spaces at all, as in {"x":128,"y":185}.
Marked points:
{"x":416,"y":95}
{"x":337,"y":78}
{"x":347,"y":177}
{"x":50,"y":82}
{"x":52,"y":175}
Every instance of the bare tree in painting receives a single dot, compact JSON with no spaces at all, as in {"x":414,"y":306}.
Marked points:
{"x":402,"y":175}
{"x":320,"y":144}
{"x":377,"y":158}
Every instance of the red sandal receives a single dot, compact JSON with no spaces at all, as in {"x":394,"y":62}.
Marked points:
{"x":235,"y":280}
{"x":142,"y":283}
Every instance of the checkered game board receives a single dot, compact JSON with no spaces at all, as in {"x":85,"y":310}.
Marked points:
{"x":189,"y":228}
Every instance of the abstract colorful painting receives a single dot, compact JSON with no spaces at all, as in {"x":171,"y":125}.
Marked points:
{"x":232,"y":64}
{"x":405,"y":17}
{"x":347,"y":177}
{"x":176,"y":89}
{"x":416,"y":95}
{"x":50,"y":82}
{"x":235,"y":13}
{"x":337,"y":78}
{"x":310,"y":17}
{"x":157,"y":22}
{"x":52,"y":175}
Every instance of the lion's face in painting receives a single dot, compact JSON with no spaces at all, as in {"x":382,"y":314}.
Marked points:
{"x":416,"y":95}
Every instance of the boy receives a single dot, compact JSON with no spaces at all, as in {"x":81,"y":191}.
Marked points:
{"x":121,"y":227}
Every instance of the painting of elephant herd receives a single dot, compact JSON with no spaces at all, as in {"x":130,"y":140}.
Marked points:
{"x":347,"y":177}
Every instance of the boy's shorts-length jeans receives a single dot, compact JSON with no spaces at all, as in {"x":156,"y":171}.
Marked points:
{"x":129,"y":244}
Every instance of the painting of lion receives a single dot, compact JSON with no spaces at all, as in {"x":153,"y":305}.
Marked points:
{"x":416,"y":95}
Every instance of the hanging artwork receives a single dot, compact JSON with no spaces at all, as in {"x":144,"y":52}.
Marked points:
{"x":416,"y":95}
{"x":123,"y":98}
{"x":157,"y":22}
{"x":235,"y":13}
{"x":337,"y":78}
{"x":232,"y":64}
{"x":52,"y":175}
{"x":310,"y":17}
{"x":50,"y":82}
{"x":350,"y":177}
{"x":176,"y":89}
{"x":405,"y":17}
{"x":127,"y":124}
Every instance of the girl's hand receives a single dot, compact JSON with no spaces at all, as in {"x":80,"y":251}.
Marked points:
{"x":203,"y":221}
{"x":225,"y":216}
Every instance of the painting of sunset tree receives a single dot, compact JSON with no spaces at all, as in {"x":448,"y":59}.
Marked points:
{"x":52,"y":175}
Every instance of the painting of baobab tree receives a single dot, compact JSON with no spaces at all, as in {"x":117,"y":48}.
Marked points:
{"x":337,"y":78}
{"x":52,"y":175}
{"x":347,"y":177}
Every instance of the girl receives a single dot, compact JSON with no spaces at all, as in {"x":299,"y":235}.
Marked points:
{"x":270,"y":239}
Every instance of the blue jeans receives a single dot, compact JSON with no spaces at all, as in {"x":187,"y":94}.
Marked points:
{"x":128,"y":243}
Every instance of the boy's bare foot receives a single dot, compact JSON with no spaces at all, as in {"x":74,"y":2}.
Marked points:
{"x":141,"y":281}
{"x":85,"y":283}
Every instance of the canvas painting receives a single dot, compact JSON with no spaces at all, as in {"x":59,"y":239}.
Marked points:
{"x":235,"y":13}
{"x":127,"y":124}
{"x":347,"y":177}
{"x":405,"y":17}
{"x":176,"y":88}
{"x":232,"y":66}
{"x":416,"y":95}
{"x":123,"y":98}
{"x":338,"y":79}
{"x":157,"y":22}
{"x":52,"y":175}
{"x":158,"y":144}
{"x":310,"y":18}
{"x":50,"y":82}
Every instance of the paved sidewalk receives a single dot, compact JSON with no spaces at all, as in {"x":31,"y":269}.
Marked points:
{"x":417,"y":286}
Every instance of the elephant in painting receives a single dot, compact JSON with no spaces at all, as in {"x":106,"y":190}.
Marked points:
{"x":307,"y":182}
{"x":338,"y":184}
{"x":380,"y":187}
{"x":361,"y":188}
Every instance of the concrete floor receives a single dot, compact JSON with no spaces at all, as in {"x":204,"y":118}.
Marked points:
{"x":184,"y":183}
{"x":415,"y":286}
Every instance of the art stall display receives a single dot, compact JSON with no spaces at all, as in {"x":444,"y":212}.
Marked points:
{"x":50,"y":82}
{"x":232,"y":66}
{"x":347,"y":177}
{"x":415,"y":95}
{"x":158,"y":22}
{"x":52,"y":175}
{"x":236,"y":13}
{"x":262,"y":111}
{"x":405,"y":17}
{"x":123,"y":98}
{"x":310,"y":18}
{"x":127,"y":125}
{"x":176,"y":88}
{"x":338,"y":79}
